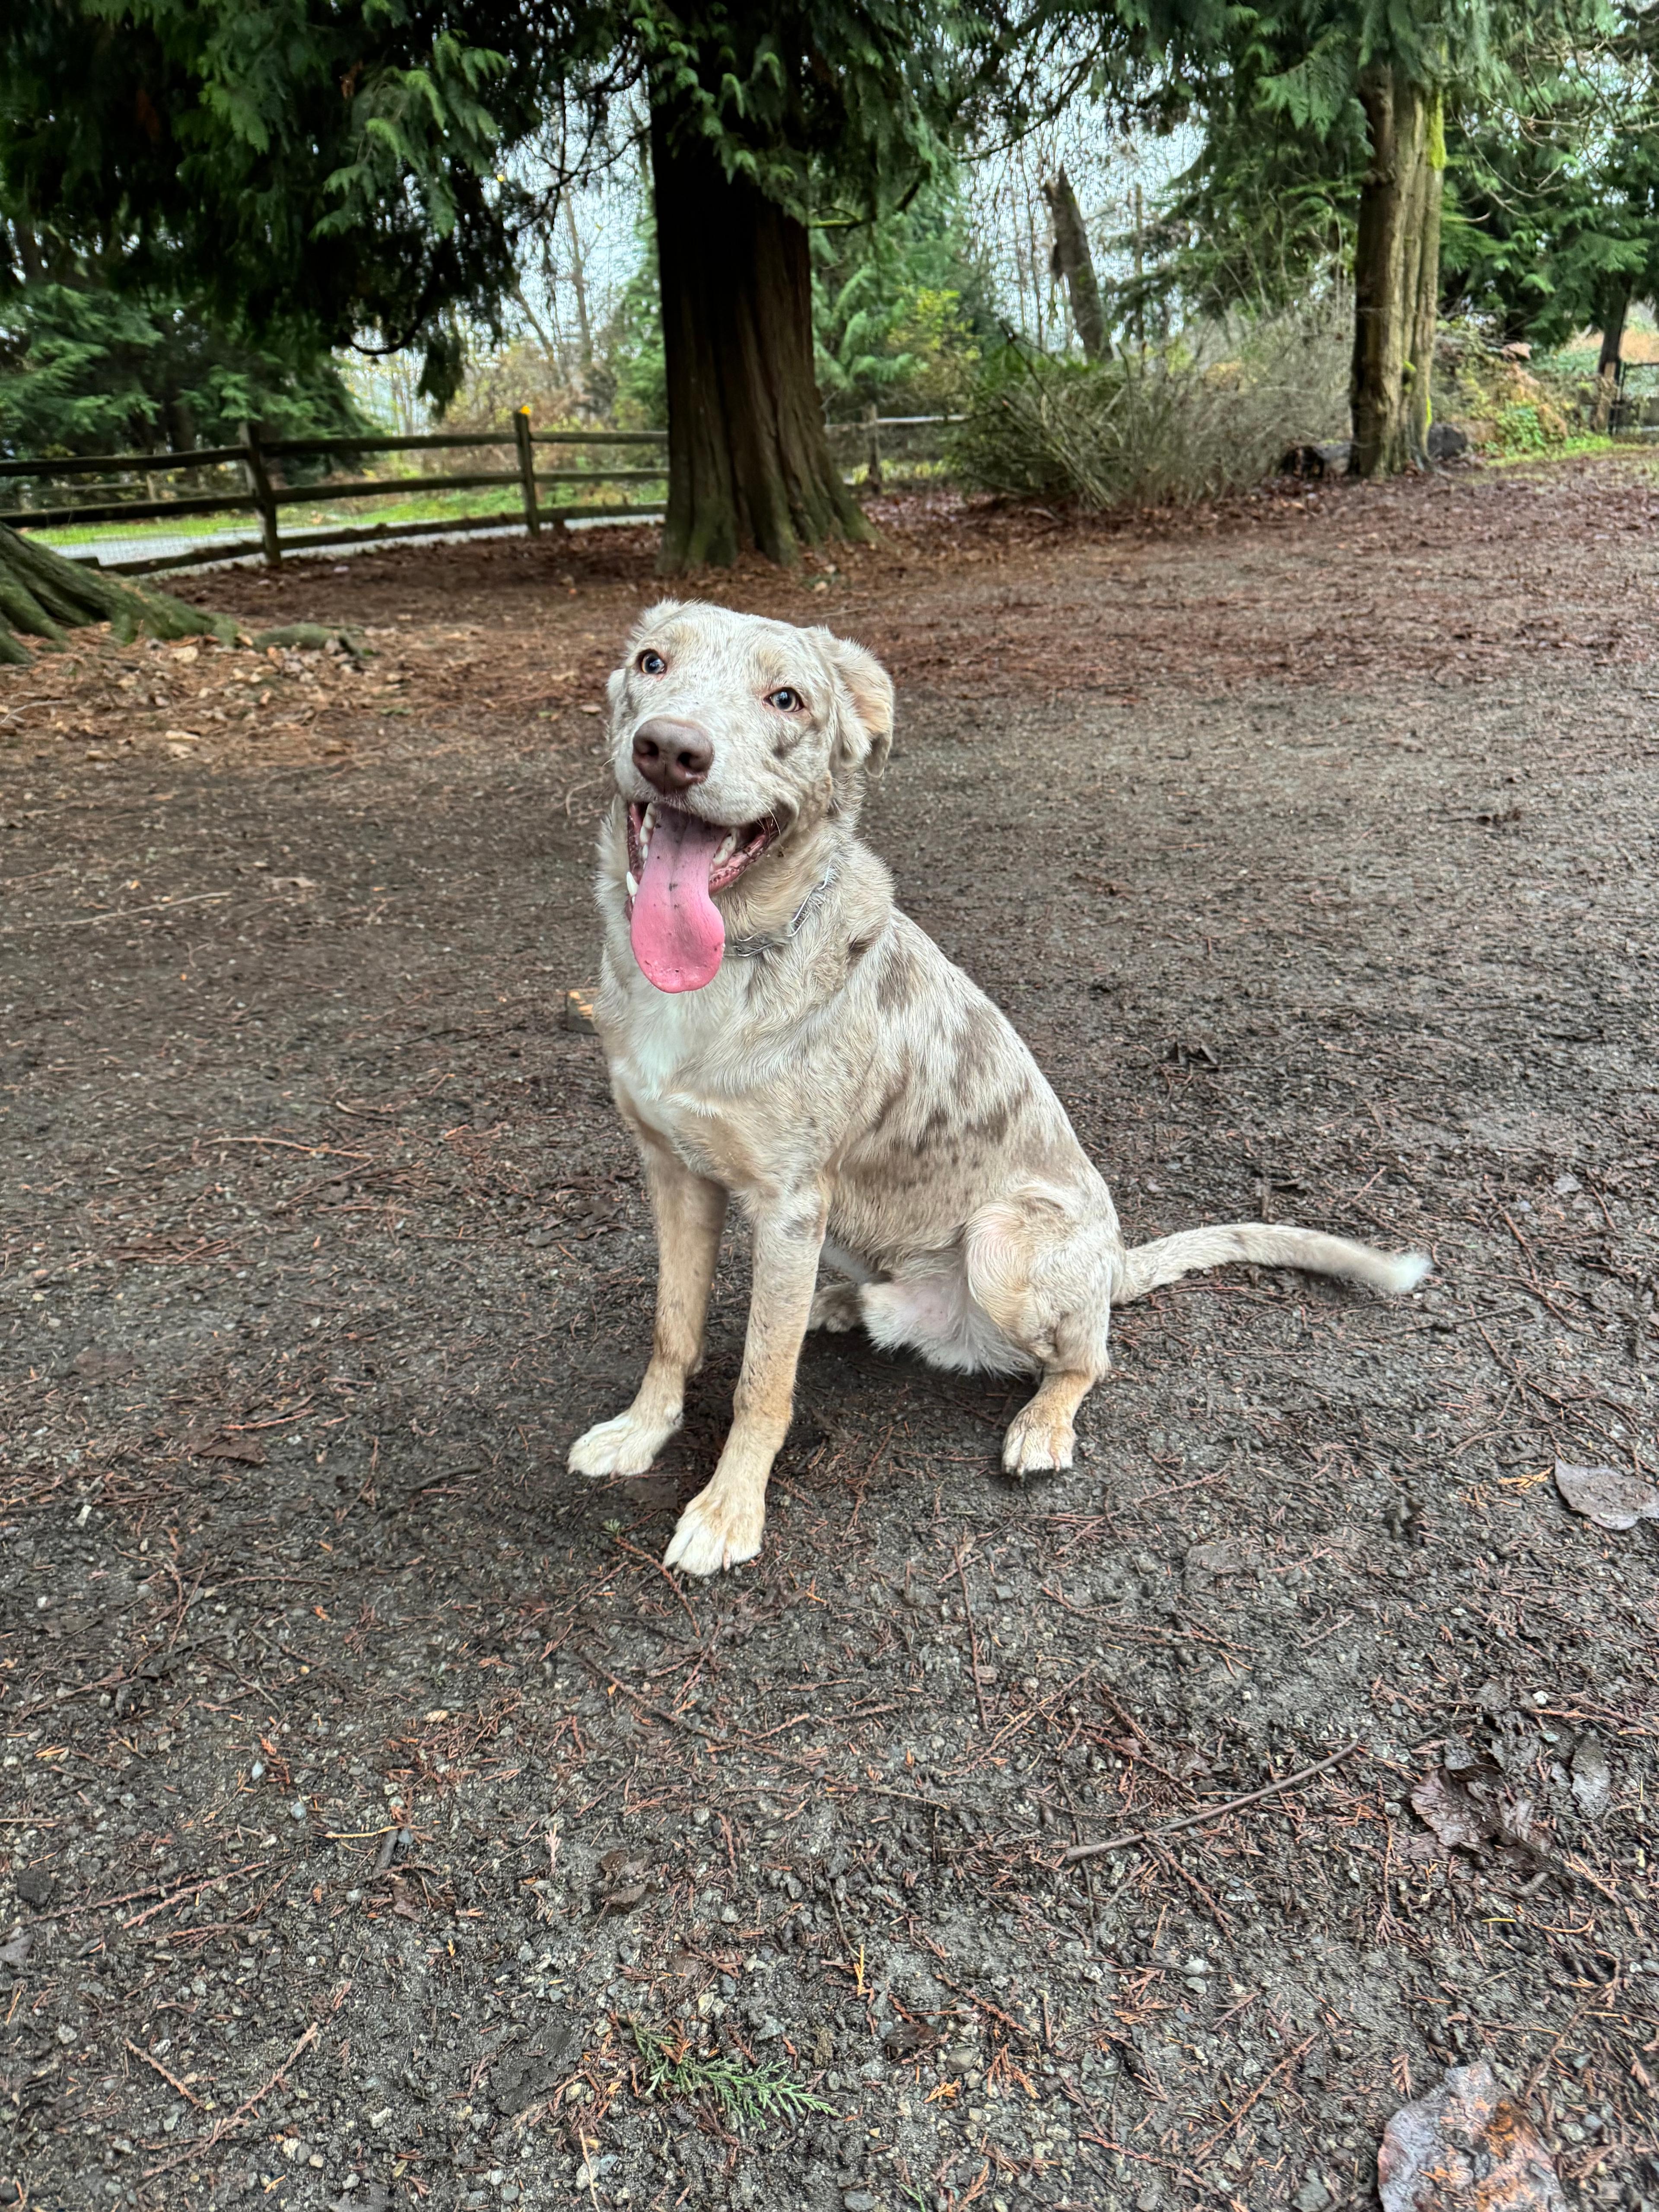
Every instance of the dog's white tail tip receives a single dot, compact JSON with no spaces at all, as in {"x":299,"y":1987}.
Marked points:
{"x":1404,"y":1271}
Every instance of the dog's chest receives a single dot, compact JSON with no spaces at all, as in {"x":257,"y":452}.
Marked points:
{"x":663,"y":1062}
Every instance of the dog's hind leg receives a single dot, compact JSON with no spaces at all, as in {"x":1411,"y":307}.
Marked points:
{"x":835,"y":1308}
{"x":1040,"y":1265}
{"x":836,"y":1303}
{"x":723,"y":1523}
{"x":1041,"y":1435}
{"x":689,"y":1213}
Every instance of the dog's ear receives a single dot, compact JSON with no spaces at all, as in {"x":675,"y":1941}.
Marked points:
{"x":870,"y":688}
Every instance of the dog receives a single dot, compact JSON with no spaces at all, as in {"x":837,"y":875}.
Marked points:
{"x":780,"y":1032}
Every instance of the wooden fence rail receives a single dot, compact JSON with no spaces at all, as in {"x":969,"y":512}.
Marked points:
{"x":265,"y":496}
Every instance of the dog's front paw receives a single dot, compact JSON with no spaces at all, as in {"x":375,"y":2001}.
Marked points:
{"x":626,"y":1445}
{"x":1038,"y":1439}
{"x":716,"y":1531}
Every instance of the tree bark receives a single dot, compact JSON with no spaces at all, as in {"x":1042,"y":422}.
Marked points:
{"x":749,"y":462}
{"x":1073,"y":261}
{"x":1612,"y":346}
{"x":42,"y":596}
{"x":1396,"y":273}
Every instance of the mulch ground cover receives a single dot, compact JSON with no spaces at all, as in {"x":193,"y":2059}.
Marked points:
{"x":379,"y":1824}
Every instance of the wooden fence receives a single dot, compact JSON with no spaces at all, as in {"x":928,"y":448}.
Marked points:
{"x":265,"y":494}
{"x":259,"y":463}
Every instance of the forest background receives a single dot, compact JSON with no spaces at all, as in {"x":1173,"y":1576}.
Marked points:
{"x":1137,"y":251}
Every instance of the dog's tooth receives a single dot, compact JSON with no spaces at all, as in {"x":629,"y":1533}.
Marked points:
{"x":650,"y":822}
{"x":727,"y":846}
{"x":633,"y":888}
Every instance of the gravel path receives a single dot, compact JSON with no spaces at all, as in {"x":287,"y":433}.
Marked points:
{"x":379,"y":1817}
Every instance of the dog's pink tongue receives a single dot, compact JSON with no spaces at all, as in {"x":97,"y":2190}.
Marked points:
{"x":678,"y":934}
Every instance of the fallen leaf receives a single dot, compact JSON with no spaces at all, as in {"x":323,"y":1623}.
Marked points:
{"x":1604,"y":1495}
{"x":623,"y":1899}
{"x":1592,"y":1778}
{"x":1192,"y":1052}
{"x":626,"y":1862}
{"x":1207,"y":1564}
{"x":908,"y":2037}
{"x":1416,"y":1849}
{"x":1465,"y":2147}
{"x":232,"y":1447}
{"x":1448,"y":1809}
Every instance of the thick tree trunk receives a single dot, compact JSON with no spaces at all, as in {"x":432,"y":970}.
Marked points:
{"x":1073,"y":261}
{"x":1612,"y":347}
{"x":749,"y":462}
{"x":1396,"y":273}
{"x":43,"y":596}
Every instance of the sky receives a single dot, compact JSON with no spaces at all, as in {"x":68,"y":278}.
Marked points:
{"x":599,"y":235}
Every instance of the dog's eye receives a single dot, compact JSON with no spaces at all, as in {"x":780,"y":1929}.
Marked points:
{"x":786,"y":701}
{"x":651,"y":664}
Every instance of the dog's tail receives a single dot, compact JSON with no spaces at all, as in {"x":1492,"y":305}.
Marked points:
{"x":1147,"y":1266}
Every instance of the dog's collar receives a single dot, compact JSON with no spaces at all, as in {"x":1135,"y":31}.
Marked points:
{"x":752,"y":948}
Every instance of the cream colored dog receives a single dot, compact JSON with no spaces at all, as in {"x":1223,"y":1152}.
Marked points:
{"x":779,"y":1032}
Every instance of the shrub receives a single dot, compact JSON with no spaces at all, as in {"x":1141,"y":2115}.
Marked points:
{"x":1209,"y":412}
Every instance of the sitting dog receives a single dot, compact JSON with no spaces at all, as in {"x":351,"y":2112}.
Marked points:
{"x":779,"y":1032}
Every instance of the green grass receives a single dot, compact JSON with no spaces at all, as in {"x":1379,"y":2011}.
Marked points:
{"x":1570,"y":449}
{"x":437,"y":507}
{"x":744,"y":2093}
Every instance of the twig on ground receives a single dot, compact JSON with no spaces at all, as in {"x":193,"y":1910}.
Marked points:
{"x":252,"y":1866}
{"x":656,"y":1712}
{"x":1210,"y":1812}
{"x":1218,"y":1911}
{"x":657,"y":1567}
{"x":171,"y":2080}
{"x":225,"y":2127}
{"x":1261,"y":2088}
{"x":131,"y":1896}
{"x":973,"y":1642}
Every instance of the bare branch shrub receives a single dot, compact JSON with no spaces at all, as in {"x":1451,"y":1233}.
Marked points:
{"x":1210,"y":411}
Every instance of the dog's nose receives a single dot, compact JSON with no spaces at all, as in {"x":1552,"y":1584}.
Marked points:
{"x":671,"y":755}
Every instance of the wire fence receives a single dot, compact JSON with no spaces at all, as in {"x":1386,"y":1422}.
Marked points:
{"x":265,"y":497}
{"x":890,"y":452}
{"x":1635,"y":410}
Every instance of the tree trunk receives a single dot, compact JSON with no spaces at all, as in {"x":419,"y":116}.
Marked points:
{"x":1073,"y":261}
{"x":42,"y":595}
{"x":1396,"y":273}
{"x":578,"y":285}
{"x":749,"y":462}
{"x":1612,"y":346}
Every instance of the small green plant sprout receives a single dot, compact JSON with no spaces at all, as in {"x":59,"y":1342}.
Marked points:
{"x":672,"y":2067}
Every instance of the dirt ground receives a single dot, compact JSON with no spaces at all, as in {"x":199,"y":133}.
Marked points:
{"x":378,"y":1824}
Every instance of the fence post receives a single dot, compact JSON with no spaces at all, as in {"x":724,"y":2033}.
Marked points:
{"x":258,"y":478}
{"x":873,"y":455}
{"x":533,"y":518}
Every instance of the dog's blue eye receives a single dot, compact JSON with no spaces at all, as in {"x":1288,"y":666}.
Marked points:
{"x":652,"y":664}
{"x":785,"y":699}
